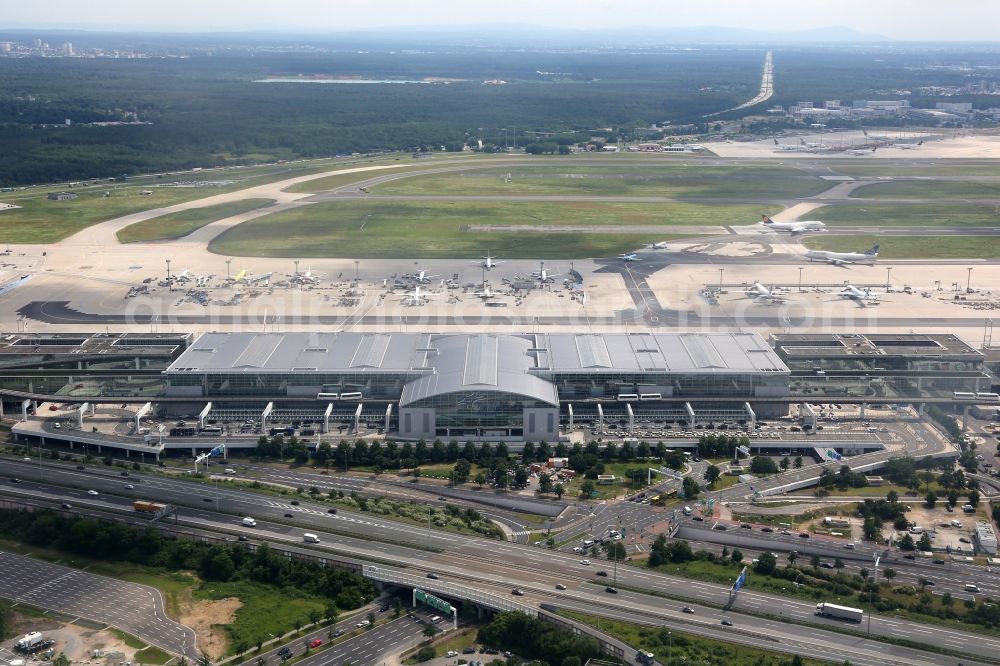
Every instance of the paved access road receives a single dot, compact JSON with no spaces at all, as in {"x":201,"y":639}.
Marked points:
{"x":136,"y":609}
{"x":371,"y":646}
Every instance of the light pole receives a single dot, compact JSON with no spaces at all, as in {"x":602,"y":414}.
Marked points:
{"x":356,"y":266}
{"x":968,"y":282}
{"x":670,"y":648}
{"x":170,"y":287}
{"x":296,"y":266}
{"x":888,"y":272}
{"x":871,"y":588}
{"x":721,"y":270}
{"x":800,"y":278}
{"x":228,"y":261}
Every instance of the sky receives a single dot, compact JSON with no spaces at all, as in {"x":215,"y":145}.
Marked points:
{"x":933,"y":20}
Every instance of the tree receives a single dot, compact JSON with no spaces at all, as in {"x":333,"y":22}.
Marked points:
{"x":889,"y":573}
{"x":737,"y":555}
{"x":892,"y":496}
{"x":425,"y":653}
{"x":767,"y":563}
{"x":587,"y":489}
{"x":947,"y":600}
{"x":331,"y":612}
{"x":690,"y":488}
{"x":931,"y":500}
{"x":974,"y":497}
{"x":792,"y":556}
{"x":838,"y":564}
{"x":814,"y":561}
{"x":545,"y":484}
{"x":712,"y":475}
{"x":952,"y":498}
{"x":61,"y":660}
{"x":371,"y":620}
{"x":763,"y":465}
{"x":784,"y":464}
{"x":430,"y":631}
{"x":397,"y":607}
{"x":560,"y":489}
{"x":906,"y":543}
{"x":925,"y":542}
{"x":798,"y":462}
{"x":240,"y":648}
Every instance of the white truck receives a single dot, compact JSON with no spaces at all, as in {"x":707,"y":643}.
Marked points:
{"x":29,"y":641}
{"x":839,"y":612}
{"x":249,"y":522}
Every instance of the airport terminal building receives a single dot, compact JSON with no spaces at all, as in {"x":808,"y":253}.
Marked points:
{"x":480,"y":385}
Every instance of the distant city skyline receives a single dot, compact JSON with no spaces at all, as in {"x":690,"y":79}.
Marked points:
{"x":918,"y":20}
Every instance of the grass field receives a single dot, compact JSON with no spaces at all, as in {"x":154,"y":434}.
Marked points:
{"x":332,"y":182}
{"x":677,"y":180}
{"x":264,"y":611}
{"x":923,"y":247}
{"x":683,"y":648}
{"x":916,"y":169}
{"x":902,"y":189}
{"x":176,"y":225}
{"x":40,"y":220}
{"x":439,"y":229}
{"x":928,"y":215}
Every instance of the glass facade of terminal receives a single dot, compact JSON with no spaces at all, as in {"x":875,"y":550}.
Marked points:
{"x":376,"y":386}
{"x":479,"y":409}
{"x":609,"y":385}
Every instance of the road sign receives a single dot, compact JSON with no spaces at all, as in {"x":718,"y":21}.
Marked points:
{"x":744,"y":450}
{"x":740,"y":580}
{"x":434,"y":602}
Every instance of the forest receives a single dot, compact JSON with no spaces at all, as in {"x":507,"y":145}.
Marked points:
{"x":207,"y":109}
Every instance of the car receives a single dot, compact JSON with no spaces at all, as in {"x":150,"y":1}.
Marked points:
{"x":314,"y":643}
{"x":91,"y":492}
{"x":938,"y":561}
{"x":576,"y":549}
{"x":726,"y":622}
{"x":469,"y":650}
{"x":432,"y":575}
{"x":804,"y":535}
{"x":909,"y":556}
{"x":67,"y":506}
{"x":243,"y":537}
{"x":746,"y":526}
{"x":80,"y":467}
{"x":287,"y":515}
{"x":826,"y":565}
{"x":15,"y":480}
{"x":206,"y":499}
{"x":560,"y":586}
{"x":721,"y":527}
{"x":949,"y":508}
{"x":517,"y":592}
{"x":452,"y":653}
{"x":124,"y":473}
{"x":585,"y":563}
{"x":129,"y":486}
{"x":767,"y":529}
{"x":611,"y":590}
{"x":964,"y":540}
{"x":333,"y":511}
{"x":699,"y":519}
{"x":928,"y":583}
{"x":602,"y":573}
{"x":338,"y":633}
{"x":363,"y":623}
{"x":295,"y":502}
{"x":688,"y":609}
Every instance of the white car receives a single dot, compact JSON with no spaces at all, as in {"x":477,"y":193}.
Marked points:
{"x":585,"y":563}
{"x":452,"y":653}
{"x":129,"y":486}
{"x":91,"y":492}
{"x":363,"y":623}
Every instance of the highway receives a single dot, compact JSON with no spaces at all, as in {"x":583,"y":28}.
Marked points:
{"x":497,"y":566}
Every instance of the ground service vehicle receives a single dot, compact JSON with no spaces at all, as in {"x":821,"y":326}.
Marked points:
{"x":29,"y":641}
{"x":644,"y":658}
{"x":148,"y":507}
{"x":840,"y":612}
{"x":249,"y":522}
{"x":310,"y":538}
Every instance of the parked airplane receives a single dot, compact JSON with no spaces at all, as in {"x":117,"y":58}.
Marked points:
{"x":184,"y":276}
{"x":859,"y":296}
{"x":543,"y":275}
{"x":658,"y":246}
{"x":759,"y":292}
{"x":415,"y":297}
{"x":629,"y":256}
{"x":843,"y":258}
{"x":792,"y":227}
{"x":306,"y":277}
{"x":863,"y":151}
{"x":795,"y":148}
{"x":249,"y":278}
{"x":488,"y":262}
{"x":814,"y":146}
{"x":908,"y":146}
{"x":422,"y":276}
{"x":487,"y":292}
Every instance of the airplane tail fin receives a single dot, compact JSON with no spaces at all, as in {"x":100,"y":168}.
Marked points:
{"x":865,"y":132}
{"x":802,"y":141}
{"x":874,"y":148}
{"x":874,"y":251}
{"x":776,"y":142}
{"x":766,"y":219}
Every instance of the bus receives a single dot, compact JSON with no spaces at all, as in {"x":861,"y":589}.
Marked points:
{"x":211,"y":431}
{"x":962,"y":395}
{"x":355,"y":395}
{"x":327,"y":396}
{"x":628,"y":397}
{"x":988,"y":397}
{"x":650,"y":396}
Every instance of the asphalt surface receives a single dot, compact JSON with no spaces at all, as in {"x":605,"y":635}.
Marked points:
{"x":136,"y":609}
{"x":497,"y":566}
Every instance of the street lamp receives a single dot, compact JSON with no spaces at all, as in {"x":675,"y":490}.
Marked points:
{"x":228,"y":261}
{"x":800,"y":278}
{"x":968,"y":283}
{"x":720,"y":279}
{"x":170,"y":286}
{"x":296,"y":266}
{"x":670,"y":648}
{"x":888,"y":272}
{"x":356,"y":264}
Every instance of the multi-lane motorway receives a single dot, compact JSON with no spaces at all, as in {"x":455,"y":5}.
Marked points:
{"x":496,"y":567}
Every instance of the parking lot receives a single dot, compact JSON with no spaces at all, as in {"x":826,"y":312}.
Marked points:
{"x":136,"y":609}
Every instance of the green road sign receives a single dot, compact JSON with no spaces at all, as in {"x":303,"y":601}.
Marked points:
{"x":434,"y":602}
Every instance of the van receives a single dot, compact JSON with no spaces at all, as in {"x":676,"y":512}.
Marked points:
{"x":687,"y":511}
{"x":969,"y":587}
{"x":589,"y":542}
{"x":916,"y":529}
{"x":435,"y":619}
{"x":230,"y":470}
{"x":249,"y":522}
{"x":309,"y":537}
{"x":956,"y":523}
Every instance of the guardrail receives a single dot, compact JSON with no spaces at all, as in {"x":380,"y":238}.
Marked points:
{"x":446,"y":588}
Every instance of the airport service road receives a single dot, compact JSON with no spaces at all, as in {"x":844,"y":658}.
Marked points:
{"x":136,"y":609}
{"x":493,"y":565}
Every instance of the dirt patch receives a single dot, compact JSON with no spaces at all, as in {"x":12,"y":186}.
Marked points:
{"x":208,"y":619}
{"x":76,"y":642}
